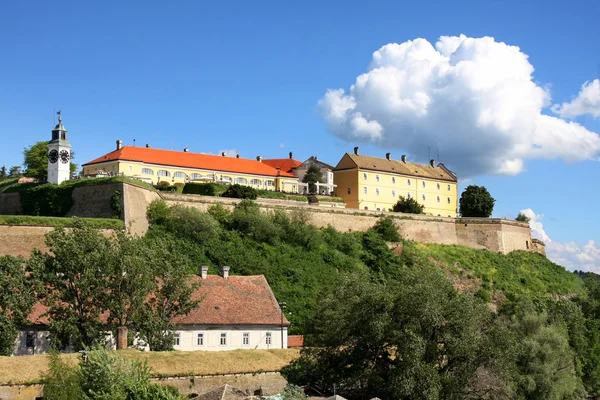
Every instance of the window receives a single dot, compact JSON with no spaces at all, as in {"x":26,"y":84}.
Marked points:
{"x":377,"y":191}
{"x":448,"y":187}
{"x":163,"y":172}
{"x":377,"y":178}
{"x":349,"y":190}
{"x":255,"y":182}
{"x":438,"y":199}
{"x":393,"y":193}
{"x":270,"y":183}
{"x":393,"y":179}
{"x":424,"y":197}
{"x":448,"y":200}
{"x":223,"y":340}
{"x":200,"y":339}
{"x":365,"y":190}
{"x":268,"y":339}
{"x":365,"y":176}
{"x":438,"y":186}
{"x":423,"y":183}
{"x":147,"y":171}
{"x":29,"y":341}
{"x":176,"y":337}
{"x":195,"y":176}
{"x":246,"y":339}
{"x":408,"y":182}
{"x":179,"y":174}
{"x":241,"y":181}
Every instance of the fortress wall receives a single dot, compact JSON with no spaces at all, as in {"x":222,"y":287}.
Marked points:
{"x":135,"y":201}
{"x":20,"y":240}
{"x":93,"y":201}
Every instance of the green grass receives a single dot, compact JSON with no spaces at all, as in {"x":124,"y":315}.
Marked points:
{"x":28,"y":220}
{"x":267,"y":194}
{"x":514,"y":274}
{"x":329,"y":199}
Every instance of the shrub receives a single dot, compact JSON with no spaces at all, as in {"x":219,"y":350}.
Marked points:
{"x":158,"y":212}
{"x":205,"y":189}
{"x":241,"y":192}
{"x":408,"y":205}
{"x":191,"y":223}
{"x":522,"y":218}
{"x":163,"y":186}
{"x":387,"y":229}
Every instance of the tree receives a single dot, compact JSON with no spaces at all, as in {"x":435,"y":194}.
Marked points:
{"x":35,"y":161}
{"x":476,"y":201}
{"x":18,"y":287}
{"x":3,"y":174}
{"x":386,"y":228}
{"x":408,"y":205}
{"x":14,"y":171}
{"x":312,"y":176}
{"x":522,"y":218}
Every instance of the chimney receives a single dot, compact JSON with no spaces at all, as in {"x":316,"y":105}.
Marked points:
{"x":223,"y":153}
{"x":403,"y":157}
{"x":225,"y":272}
{"x":186,"y":150}
{"x":203,"y":272}
{"x":119,"y":144}
{"x":356,"y":150}
{"x":291,"y":155}
{"x":147,"y":145}
{"x":259,"y":158}
{"x":388,"y":155}
{"x":432,"y":163}
{"x":237,"y":156}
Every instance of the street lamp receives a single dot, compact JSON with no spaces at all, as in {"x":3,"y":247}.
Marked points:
{"x":282,"y":307}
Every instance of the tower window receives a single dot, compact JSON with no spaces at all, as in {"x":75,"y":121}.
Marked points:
{"x":438,"y":186}
{"x":408,"y":182}
{"x":365,"y":190}
{"x":393,"y":193}
{"x":365,"y":176}
{"x":377,"y":191}
{"x":448,"y":200}
{"x":424,"y":197}
{"x":377,"y":178}
{"x":438,"y":199}
{"x":423,"y":183}
{"x":448,"y":187}
{"x":393,"y":179}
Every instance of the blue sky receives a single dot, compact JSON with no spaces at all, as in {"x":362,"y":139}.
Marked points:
{"x":249,"y":76}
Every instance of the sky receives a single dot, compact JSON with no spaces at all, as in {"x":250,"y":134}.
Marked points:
{"x":508,"y":93}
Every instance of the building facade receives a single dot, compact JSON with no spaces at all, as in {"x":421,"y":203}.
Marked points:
{"x":373,"y":183}
{"x":299,"y":169}
{"x":180,"y":167}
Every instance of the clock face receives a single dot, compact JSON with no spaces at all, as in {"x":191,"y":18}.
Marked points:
{"x":64,"y":156}
{"x":53,"y":156}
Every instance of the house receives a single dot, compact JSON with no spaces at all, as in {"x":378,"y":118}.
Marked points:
{"x":157,"y":165}
{"x":373,"y":183}
{"x":299,"y":169}
{"x":235,"y":312}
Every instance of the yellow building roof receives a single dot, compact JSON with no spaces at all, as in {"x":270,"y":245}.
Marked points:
{"x":439,"y":172}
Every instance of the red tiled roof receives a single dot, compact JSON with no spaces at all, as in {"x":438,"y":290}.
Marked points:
{"x":239,"y":300}
{"x":295,"y":341}
{"x":286,"y":164}
{"x":190,"y":160}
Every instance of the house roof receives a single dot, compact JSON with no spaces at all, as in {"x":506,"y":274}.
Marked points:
{"x":439,"y":172}
{"x":184,"y":159}
{"x":313,"y":160}
{"x":286,"y":164}
{"x":237,"y":300}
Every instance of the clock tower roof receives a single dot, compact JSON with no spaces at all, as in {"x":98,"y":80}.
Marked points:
{"x":59,"y":133}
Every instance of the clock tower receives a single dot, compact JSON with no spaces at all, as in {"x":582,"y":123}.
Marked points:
{"x":59,"y":154}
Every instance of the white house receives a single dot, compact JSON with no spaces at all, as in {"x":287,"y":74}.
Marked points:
{"x":235,"y":312}
{"x":326,"y":186}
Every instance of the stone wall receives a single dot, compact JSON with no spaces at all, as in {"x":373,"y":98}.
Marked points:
{"x":20,"y":240}
{"x":538,"y":246}
{"x":93,"y":201}
{"x":135,"y":201}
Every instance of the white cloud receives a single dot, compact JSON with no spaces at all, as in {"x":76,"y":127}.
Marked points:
{"x":586,"y":102}
{"x":473,"y":99}
{"x":570,"y":255}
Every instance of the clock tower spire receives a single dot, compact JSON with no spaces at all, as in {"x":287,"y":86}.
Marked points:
{"x":59,"y":154}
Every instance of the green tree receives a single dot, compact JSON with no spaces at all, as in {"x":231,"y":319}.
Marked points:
{"x":18,"y":285}
{"x":312,"y":176}
{"x":3,"y":174}
{"x":35,"y":161}
{"x":14,"y":171}
{"x":387,"y":229}
{"x":408,"y":205}
{"x":476,"y":201}
{"x":522,"y":218}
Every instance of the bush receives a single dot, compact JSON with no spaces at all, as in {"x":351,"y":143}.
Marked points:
{"x":163,"y":186}
{"x":205,"y":189}
{"x":158,"y":212}
{"x":47,"y":200}
{"x":241,"y":192}
{"x":522,"y":218}
{"x":387,"y":229}
{"x":408,"y":205}
{"x":191,"y":223}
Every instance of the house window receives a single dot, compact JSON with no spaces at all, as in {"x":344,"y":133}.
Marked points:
{"x":255,"y":182}
{"x":365,"y":189}
{"x":438,"y":186}
{"x":424,"y":197}
{"x":223,"y":339}
{"x":162,"y":172}
{"x":393,"y":179}
{"x":176,"y":338}
{"x":448,"y":200}
{"x":241,"y":181}
{"x":179,"y":174}
{"x":200,"y":339}
{"x":377,"y":178}
{"x":423,"y":183}
{"x":448,"y":187}
{"x":438,"y":199}
{"x":365,"y":176}
{"x":268,"y":339}
{"x":195,"y":176}
{"x":349,"y":190}
{"x":393,"y":193}
{"x":29,"y":341}
{"x":270,"y":183}
{"x":246,"y":339}
{"x":408,"y":182}
{"x":147,"y":171}
{"x":377,"y":191}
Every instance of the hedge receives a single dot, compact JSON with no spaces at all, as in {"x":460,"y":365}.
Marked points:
{"x":205,"y":189}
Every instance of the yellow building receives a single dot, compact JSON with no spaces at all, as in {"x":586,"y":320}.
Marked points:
{"x":373,"y":183}
{"x":156,"y":165}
